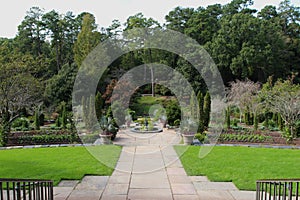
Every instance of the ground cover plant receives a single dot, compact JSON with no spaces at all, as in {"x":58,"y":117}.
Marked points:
{"x":241,"y":165}
{"x":57,"y":163}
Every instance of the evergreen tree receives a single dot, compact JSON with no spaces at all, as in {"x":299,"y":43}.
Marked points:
{"x":193,"y":106}
{"x":227,"y":115}
{"x":280,"y":122}
{"x":206,"y":110}
{"x":255,"y":121}
{"x":37,"y":119}
{"x":84,"y":109}
{"x":98,"y":105}
{"x":274,"y":119}
{"x":2,"y":143}
{"x":266,"y":122}
{"x":57,"y":122}
{"x":91,"y":122}
{"x":87,"y":39}
{"x":64,"y":116}
{"x":200,"y":99}
{"x":247,"y":117}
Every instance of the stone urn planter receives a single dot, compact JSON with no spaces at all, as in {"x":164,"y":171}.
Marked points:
{"x":109,"y":131}
{"x":105,"y":138}
{"x":187,"y":139}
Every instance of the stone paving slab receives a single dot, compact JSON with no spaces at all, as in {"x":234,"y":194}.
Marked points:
{"x":159,"y":173}
{"x":148,"y":155}
{"x":114,"y":197}
{"x":179,"y":179}
{"x":68,"y":183}
{"x":149,"y":181}
{"x":147,"y":165}
{"x":85,"y":194}
{"x":116,"y":189}
{"x":150,"y":194}
{"x":176,"y":171}
{"x":119,"y":179}
{"x":183,"y":189}
{"x":126,"y":157}
{"x":185,"y":197}
{"x":92,"y":183}
{"x":199,"y":178}
{"x":117,"y":173}
{"x":243,"y":195}
{"x":62,"y":192}
{"x":124,"y":166}
{"x":220,"y":186}
{"x":215,"y":195}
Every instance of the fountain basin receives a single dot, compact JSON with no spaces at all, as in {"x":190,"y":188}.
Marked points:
{"x":139,"y":130}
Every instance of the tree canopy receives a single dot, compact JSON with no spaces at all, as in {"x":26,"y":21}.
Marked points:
{"x":39,"y":65}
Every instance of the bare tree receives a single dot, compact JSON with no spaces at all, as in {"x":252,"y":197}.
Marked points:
{"x":284,"y":98}
{"x":18,"y":90}
{"x":243,"y":95}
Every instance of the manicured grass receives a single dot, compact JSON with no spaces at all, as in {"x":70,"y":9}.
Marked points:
{"x":144,"y":103}
{"x":57,"y":163}
{"x":148,"y":100}
{"x":241,"y":165}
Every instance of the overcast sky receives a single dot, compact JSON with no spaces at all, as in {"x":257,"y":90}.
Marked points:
{"x":12,"y":12}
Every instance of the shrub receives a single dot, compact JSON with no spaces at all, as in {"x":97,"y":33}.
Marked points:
{"x":57,"y":122}
{"x":1,"y":136}
{"x":177,"y":122}
{"x":20,"y":122}
{"x":255,"y":122}
{"x":243,"y":138}
{"x":200,"y":99}
{"x":173,"y":112}
{"x":227,"y":117}
{"x":200,"y":136}
{"x":298,"y":128}
{"x":42,"y":137}
{"x":235,"y":122}
{"x":64,"y":116}
{"x":272,"y":124}
{"x":37,"y":119}
{"x":206,"y":109}
{"x":279,"y":122}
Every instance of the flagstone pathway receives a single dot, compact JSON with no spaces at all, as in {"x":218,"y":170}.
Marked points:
{"x":148,"y":168}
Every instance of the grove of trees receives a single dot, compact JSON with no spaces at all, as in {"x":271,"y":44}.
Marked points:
{"x":39,"y":65}
{"x":281,"y":98}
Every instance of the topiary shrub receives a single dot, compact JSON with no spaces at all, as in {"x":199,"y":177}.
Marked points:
{"x":173,"y":112}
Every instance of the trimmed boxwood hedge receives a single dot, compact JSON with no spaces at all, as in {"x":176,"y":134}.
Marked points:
{"x":42,"y":137}
{"x":243,"y":138}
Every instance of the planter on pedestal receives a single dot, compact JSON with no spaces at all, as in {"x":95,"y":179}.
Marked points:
{"x":105,"y":138}
{"x":187,"y":139}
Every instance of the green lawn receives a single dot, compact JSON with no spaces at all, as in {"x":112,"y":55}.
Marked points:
{"x":242,"y":165}
{"x":144,"y":103}
{"x":148,"y":100}
{"x":57,"y":163}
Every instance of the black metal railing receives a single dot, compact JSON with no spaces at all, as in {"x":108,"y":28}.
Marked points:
{"x":18,"y":189}
{"x":284,"y":189}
